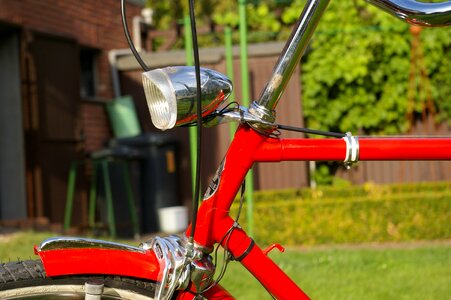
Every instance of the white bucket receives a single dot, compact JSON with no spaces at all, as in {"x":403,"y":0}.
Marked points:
{"x":173,"y":219}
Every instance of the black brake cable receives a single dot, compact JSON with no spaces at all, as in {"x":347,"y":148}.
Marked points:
{"x":195,"y":205}
{"x":129,"y":39}
{"x":198,"y":100}
{"x":311,"y":131}
{"x":226,"y":256}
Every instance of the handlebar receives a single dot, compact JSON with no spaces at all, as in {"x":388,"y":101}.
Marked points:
{"x":420,"y":13}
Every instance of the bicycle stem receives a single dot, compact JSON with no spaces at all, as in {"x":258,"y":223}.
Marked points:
{"x":289,"y":58}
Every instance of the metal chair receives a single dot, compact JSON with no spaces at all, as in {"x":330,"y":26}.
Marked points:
{"x":124,"y":123}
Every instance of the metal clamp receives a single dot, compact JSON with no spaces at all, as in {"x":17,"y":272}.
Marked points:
{"x":352,"y":150}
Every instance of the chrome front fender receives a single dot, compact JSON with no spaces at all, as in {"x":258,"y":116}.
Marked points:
{"x":76,"y":256}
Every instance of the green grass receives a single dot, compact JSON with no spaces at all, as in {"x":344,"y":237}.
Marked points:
{"x":355,"y":214}
{"x":395,"y":271}
{"x":20,"y":245}
{"x":380,"y":273}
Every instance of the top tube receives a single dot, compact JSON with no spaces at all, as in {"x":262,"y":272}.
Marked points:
{"x":420,"y":13}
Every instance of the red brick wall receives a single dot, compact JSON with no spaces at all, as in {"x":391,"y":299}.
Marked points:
{"x":95,"y":24}
{"x":92,"y":23}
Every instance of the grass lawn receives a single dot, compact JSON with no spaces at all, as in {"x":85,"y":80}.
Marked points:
{"x":400,"y":271}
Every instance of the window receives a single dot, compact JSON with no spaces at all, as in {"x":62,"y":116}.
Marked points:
{"x":88,"y":72}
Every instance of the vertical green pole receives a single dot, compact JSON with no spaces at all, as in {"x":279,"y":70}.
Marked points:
{"x":246,"y":100}
{"x":70,"y":194}
{"x":109,"y":198}
{"x":229,"y":67}
{"x":192,"y":130}
{"x":93,"y":194}
{"x":130,"y":198}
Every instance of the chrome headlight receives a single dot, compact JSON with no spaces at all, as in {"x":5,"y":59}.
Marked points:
{"x":171,"y":94}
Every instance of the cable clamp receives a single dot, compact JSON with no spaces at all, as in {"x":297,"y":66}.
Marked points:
{"x":245,"y":253}
{"x":242,"y":117}
{"x":352,"y":150}
{"x":236,"y":225}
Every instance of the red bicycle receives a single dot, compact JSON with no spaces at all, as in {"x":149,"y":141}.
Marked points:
{"x":182,"y":267}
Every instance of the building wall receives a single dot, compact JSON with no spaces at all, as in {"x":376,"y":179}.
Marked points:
{"x":92,"y":24}
{"x":49,"y":82}
{"x":12,"y":169}
{"x":95,"y":24}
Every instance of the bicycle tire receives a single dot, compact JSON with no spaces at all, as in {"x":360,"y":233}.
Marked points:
{"x":27,"y":280}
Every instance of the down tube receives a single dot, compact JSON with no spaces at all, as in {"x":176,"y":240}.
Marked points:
{"x":276,"y":282}
{"x":214,"y":222}
{"x":240,"y":157}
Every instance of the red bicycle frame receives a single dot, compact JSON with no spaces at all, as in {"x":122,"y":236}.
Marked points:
{"x":214,"y":225}
{"x":249,"y":147}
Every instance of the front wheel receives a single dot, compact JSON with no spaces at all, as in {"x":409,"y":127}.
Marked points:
{"x":27,"y":280}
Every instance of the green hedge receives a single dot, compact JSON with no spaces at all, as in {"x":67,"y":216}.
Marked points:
{"x":368,"y":213}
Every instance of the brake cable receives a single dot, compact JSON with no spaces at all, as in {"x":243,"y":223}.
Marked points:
{"x":129,"y":39}
{"x":143,"y":65}
{"x":311,"y":131}
{"x":195,"y":204}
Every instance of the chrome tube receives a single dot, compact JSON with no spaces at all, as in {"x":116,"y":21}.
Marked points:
{"x":420,"y":13}
{"x":294,"y":49}
{"x":60,"y":243}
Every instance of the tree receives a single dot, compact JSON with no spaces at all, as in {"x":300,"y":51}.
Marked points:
{"x":356,"y":75}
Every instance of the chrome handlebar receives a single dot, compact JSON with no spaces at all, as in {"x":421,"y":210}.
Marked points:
{"x":420,"y":13}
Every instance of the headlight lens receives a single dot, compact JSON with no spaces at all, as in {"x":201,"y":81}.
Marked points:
{"x":171,"y":94}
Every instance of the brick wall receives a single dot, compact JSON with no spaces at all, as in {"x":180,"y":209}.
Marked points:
{"x":94,"y":24}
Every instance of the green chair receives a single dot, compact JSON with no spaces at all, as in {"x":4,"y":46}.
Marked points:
{"x":123,"y":118}
{"x":124,"y":123}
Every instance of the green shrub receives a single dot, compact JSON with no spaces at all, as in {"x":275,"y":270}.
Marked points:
{"x":368,"y":213}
